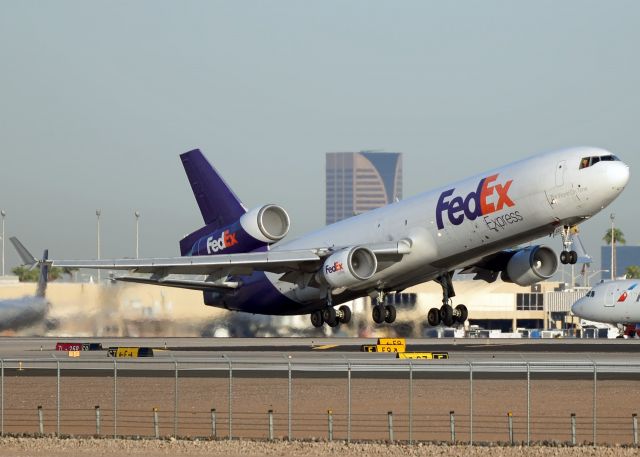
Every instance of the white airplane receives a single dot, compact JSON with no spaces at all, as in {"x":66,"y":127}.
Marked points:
{"x":612,"y":302}
{"x":18,"y":313}
{"x":471,"y":225}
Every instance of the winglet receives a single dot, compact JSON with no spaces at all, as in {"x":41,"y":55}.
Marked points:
{"x":25,"y":255}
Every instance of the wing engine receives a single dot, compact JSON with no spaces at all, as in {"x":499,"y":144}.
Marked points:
{"x":349,"y":266}
{"x":530,"y":265}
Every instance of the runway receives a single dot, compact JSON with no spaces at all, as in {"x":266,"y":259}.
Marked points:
{"x":331,"y":349}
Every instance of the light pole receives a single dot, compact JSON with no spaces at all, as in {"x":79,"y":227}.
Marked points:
{"x":3,"y":213}
{"x":137,"y":214}
{"x":98,"y":212}
{"x":613,"y":248}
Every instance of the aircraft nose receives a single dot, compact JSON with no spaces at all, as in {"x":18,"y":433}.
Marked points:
{"x":617,"y":175}
{"x":576,"y":308}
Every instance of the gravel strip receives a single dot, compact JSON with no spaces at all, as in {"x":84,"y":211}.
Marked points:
{"x":21,"y":447}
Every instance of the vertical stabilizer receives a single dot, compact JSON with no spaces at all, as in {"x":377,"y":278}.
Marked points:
{"x":218,"y":204}
{"x":44,"y":274}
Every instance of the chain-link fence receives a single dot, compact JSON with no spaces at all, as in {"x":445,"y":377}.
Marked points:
{"x":383,"y":399}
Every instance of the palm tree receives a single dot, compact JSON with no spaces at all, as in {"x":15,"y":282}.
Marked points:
{"x":633,"y":272}
{"x":619,"y":236}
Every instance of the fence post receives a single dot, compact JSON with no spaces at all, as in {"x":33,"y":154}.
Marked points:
{"x":573,"y":429}
{"x":115,"y":398}
{"x":58,"y":398}
{"x":330,"y":424}
{"x":213,"y":424}
{"x":270,"y":425}
{"x":510,"y":421}
{"x":175,"y":404}
{"x":289,"y":406}
{"x":634,"y":418}
{"x":470,"y":404}
{"x":452,"y":426}
{"x":528,"y":404}
{"x":348,"y":402}
{"x":2,"y":397}
{"x":40,"y":420}
{"x":410,"y":402}
{"x":156,"y":427}
{"x":98,"y":420}
{"x":230,"y":399}
{"x":390,"y":425}
{"x":595,"y":401}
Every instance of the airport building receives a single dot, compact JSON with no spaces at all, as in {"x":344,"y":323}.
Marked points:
{"x":626,"y":256}
{"x":361,"y":181}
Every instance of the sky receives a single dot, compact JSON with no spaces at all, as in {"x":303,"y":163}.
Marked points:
{"x":98,"y":99}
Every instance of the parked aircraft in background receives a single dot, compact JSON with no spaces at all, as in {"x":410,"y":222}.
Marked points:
{"x":23,"y":312}
{"x":471,"y":225}
{"x":612,"y":302}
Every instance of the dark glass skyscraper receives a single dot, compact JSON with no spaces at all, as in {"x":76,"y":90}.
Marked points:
{"x":360,"y":181}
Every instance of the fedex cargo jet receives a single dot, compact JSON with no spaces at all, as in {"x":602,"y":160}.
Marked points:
{"x":471,"y":226}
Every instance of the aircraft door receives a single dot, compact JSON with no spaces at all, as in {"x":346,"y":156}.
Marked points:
{"x":560,"y":168}
{"x":610,"y":296}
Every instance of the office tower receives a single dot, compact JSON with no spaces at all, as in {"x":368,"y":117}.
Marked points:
{"x":361,"y":181}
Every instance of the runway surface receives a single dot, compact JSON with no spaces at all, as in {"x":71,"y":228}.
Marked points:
{"x":316,"y":349}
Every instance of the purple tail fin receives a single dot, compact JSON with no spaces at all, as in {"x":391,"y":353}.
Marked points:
{"x":218,"y":204}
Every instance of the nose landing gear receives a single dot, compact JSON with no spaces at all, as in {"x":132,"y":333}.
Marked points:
{"x":567,"y":256}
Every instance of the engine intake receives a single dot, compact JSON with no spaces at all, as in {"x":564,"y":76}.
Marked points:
{"x":530,"y":265}
{"x":349,"y":266}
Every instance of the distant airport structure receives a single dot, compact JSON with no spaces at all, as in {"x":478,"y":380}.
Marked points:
{"x":626,"y":256}
{"x":357,"y":182}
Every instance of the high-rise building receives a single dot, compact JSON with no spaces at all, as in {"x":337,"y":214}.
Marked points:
{"x":361,"y":181}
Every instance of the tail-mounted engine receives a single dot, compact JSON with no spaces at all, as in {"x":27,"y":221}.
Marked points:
{"x":257,"y":228}
{"x":348,"y":267}
{"x":530,"y":265}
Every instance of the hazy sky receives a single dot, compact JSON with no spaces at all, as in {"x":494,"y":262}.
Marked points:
{"x":97,"y":99}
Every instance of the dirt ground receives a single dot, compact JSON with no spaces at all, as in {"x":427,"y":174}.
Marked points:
{"x":427,"y":417}
{"x":28,"y":447}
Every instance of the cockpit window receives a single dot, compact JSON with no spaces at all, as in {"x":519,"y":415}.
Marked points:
{"x":591,"y":293}
{"x":590,"y":161}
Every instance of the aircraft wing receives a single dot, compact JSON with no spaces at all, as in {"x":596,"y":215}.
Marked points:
{"x":295,"y":265}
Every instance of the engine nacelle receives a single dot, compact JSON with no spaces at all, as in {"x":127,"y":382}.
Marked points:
{"x":349,"y":266}
{"x":530,"y":265}
{"x":269,"y":223}
{"x":257,"y":228}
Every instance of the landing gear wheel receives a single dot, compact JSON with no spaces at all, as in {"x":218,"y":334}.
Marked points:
{"x":345,"y":314}
{"x":461,"y":313}
{"x":433,"y":317}
{"x":564,"y":257}
{"x":446,"y":315}
{"x":573,"y":257}
{"x":390,"y":314}
{"x":329,"y":316}
{"x":316,"y":319}
{"x":378,"y":314}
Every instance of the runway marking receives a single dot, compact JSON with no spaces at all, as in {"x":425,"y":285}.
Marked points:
{"x":325,"y":346}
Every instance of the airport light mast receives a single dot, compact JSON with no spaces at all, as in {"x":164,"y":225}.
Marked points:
{"x":613,"y":247}
{"x":98,"y":212}
{"x":137,"y":214}
{"x":3,"y":213}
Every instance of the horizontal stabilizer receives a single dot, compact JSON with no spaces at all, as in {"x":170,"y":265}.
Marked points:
{"x":181,"y":283}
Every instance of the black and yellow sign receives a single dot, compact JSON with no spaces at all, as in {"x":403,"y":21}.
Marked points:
{"x":423,"y":355}
{"x":131,"y":352}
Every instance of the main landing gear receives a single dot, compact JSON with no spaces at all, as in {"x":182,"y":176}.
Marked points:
{"x":567,"y":256}
{"x":331,"y":316}
{"x":447,"y":314}
{"x":381,"y":312}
